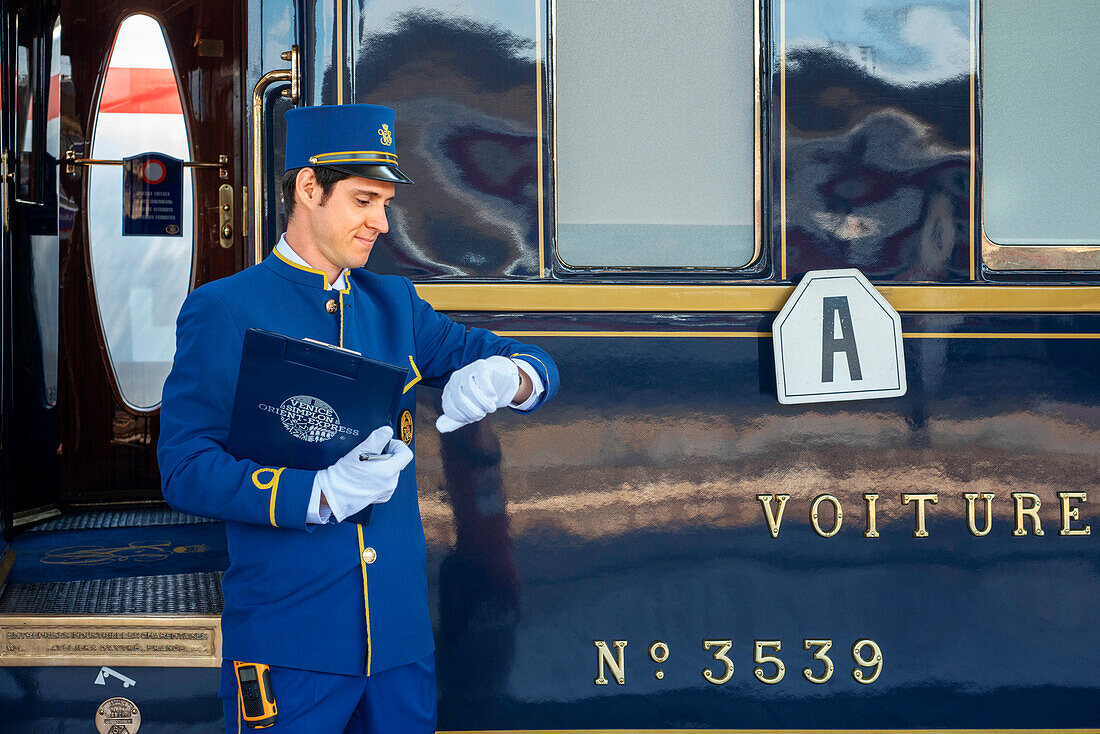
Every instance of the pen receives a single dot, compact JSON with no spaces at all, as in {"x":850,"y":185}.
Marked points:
{"x":374,"y":457}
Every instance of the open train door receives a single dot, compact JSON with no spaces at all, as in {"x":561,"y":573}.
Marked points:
{"x":6,"y":370}
{"x":88,"y":336}
{"x":92,"y":310}
{"x":28,"y":187}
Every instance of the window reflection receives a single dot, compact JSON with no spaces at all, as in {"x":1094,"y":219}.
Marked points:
{"x":140,"y":282}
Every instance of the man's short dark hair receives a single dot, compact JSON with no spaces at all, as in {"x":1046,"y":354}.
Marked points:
{"x":327,"y":177}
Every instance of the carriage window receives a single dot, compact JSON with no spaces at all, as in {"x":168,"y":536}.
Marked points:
{"x":140,"y":281}
{"x":655,"y":133}
{"x":1039,"y":157}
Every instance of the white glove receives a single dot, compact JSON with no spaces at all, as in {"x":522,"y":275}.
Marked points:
{"x":350,"y":484}
{"x":476,"y":390}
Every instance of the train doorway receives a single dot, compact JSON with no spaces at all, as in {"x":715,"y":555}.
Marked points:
{"x":91,"y":311}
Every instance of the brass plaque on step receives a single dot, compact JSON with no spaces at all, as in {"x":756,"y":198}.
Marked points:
{"x":192,"y":641}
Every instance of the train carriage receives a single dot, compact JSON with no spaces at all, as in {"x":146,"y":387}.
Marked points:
{"x":638,"y":188}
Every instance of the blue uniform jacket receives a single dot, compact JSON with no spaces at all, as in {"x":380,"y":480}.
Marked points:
{"x":338,"y":598}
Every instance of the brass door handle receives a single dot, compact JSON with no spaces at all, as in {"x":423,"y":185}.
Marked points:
{"x":71,"y":162}
{"x":295,"y":91}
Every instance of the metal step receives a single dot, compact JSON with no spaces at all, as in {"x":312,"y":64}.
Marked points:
{"x":99,"y":519}
{"x":184,"y":593}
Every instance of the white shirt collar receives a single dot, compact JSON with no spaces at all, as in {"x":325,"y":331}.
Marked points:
{"x":284,"y":249}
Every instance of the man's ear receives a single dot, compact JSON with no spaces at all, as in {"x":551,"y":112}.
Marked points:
{"x":307,"y":190}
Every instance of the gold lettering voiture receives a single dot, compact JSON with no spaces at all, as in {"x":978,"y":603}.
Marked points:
{"x":774,"y":518}
{"x":872,"y":519}
{"x":1072,"y":513}
{"x":972,"y":513}
{"x":921,"y":530}
{"x":1032,"y":511}
{"x":1026,"y":510}
{"x":838,"y":515}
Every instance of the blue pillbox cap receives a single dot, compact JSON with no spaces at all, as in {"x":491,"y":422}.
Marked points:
{"x":357,"y":139}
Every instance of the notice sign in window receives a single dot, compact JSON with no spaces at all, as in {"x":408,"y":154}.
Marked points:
{"x":152,"y":195}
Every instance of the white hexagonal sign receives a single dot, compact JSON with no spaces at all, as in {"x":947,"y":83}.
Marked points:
{"x":836,"y":338}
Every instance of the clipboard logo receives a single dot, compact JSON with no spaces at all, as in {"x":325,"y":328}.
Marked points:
{"x":309,"y":419}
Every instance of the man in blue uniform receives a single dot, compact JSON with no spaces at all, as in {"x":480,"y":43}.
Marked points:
{"x":338,"y":610}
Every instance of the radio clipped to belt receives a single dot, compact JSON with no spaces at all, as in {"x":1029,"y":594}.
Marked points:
{"x":257,"y":697}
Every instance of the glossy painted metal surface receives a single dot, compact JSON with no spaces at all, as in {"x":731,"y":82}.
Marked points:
{"x":628,"y":510}
{"x":464,"y":87}
{"x":322,"y":26}
{"x":45,"y":699}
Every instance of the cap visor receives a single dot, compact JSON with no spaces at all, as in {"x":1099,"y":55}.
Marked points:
{"x":377,"y":172}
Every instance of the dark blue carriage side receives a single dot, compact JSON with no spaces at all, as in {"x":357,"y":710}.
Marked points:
{"x":636,"y":518}
{"x":632,"y":508}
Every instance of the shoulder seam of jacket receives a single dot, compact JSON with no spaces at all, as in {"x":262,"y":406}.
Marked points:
{"x":225,"y":306}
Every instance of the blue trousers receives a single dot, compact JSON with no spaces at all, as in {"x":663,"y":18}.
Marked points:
{"x":396,"y":700}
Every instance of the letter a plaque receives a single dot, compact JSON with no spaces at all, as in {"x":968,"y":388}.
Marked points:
{"x":837,"y":338}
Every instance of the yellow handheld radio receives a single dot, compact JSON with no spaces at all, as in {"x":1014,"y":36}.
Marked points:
{"x":258,"y":707}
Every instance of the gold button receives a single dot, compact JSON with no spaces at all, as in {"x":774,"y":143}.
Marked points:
{"x":369,"y":555}
{"x":330,"y":305}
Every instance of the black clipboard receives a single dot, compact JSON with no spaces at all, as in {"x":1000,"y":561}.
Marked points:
{"x":304,"y":404}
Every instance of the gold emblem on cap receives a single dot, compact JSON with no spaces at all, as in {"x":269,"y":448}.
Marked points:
{"x":387,"y":138}
{"x":117,"y":716}
{"x":330,"y":305}
{"x":313,"y":160}
{"x":407,"y":427}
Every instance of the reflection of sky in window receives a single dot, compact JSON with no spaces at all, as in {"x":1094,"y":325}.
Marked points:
{"x":278,"y":24}
{"x":140,"y":45}
{"x":911,"y":42}
{"x":513,"y":16}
